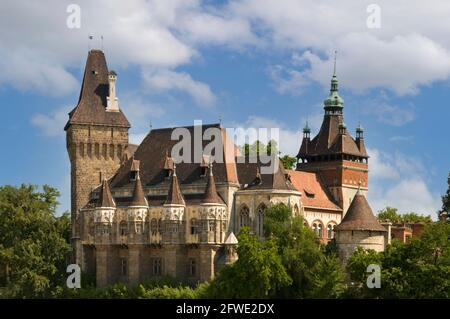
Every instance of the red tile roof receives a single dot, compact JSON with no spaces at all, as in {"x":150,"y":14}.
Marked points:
{"x":314,"y":194}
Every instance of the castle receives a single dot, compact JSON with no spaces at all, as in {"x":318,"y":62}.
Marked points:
{"x":139,"y":213}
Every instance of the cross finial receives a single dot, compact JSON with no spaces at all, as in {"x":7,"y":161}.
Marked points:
{"x":335,"y":56}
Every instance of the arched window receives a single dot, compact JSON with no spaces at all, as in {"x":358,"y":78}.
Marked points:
{"x":139,"y":226}
{"x":194,"y":226}
{"x":330,"y":231}
{"x":154,"y":226}
{"x":123,"y":228}
{"x":244,"y":217}
{"x":318,"y":228}
{"x":296,"y":210}
{"x":260,"y":215}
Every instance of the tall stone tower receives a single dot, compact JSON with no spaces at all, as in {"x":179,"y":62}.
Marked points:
{"x":96,"y":135}
{"x":340,"y":161}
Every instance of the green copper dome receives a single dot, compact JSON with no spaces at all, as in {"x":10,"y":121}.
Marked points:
{"x":334,"y":100}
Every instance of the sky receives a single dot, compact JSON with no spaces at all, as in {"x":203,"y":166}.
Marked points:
{"x":248,"y":63}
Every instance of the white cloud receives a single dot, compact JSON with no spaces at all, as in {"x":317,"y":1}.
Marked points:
{"x":399,"y":181}
{"x":166,"y":80}
{"x":403,"y":55}
{"x":51,"y":124}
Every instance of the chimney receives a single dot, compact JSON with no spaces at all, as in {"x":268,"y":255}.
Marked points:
{"x":112,"y":101}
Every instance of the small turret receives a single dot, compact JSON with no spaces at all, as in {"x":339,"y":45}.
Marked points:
{"x":359,"y":228}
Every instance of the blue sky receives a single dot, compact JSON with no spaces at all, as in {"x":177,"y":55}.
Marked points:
{"x":252,"y":64}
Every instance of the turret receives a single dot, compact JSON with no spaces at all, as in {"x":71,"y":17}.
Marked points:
{"x":173,"y":211}
{"x":213,"y":213}
{"x":105,"y":209}
{"x":359,"y":228}
{"x":137,"y":209}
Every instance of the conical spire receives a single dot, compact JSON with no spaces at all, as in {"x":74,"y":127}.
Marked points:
{"x":211,"y":195}
{"x":359,"y":216}
{"x":174,"y":197}
{"x":105,"y":197}
{"x":138,"y":193}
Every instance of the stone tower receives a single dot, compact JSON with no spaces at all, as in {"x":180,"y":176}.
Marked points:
{"x":340,"y":161}
{"x":359,"y":228}
{"x":96,"y":135}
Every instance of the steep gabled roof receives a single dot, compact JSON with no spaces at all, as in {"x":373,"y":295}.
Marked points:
{"x":94,"y":91}
{"x":105,"y":196}
{"x":157,"y":146}
{"x":252,"y":175}
{"x":359,"y":216}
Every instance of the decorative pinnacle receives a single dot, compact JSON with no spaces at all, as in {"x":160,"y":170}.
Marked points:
{"x":210,"y":169}
{"x":359,"y":187}
{"x":174,"y":169}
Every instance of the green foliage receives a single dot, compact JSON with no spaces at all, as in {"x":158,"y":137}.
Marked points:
{"x":314,"y":274}
{"x":446,"y":200}
{"x":288,"y":161}
{"x":258,"y":273}
{"x":391,"y":214}
{"x":33,"y":241}
{"x":259,"y":147}
{"x":420,"y":269}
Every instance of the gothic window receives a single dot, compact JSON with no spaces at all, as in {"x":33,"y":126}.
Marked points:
{"x":244,"y":217}
{"x":123,"y":267}
{"x":296,"y":210}
{"x":103,"y":229}
{"x":330,"y":231}
{"x":261,"y":211}
{"x":154,"y":226}
{"x":157,"y":266}
{"x":139,"y":226}
{"x":194,"y":226}
{"x":317,"y":227}
{"x":212,"y":226}
{"x":123,"y":228}
{"x":192,"y":267}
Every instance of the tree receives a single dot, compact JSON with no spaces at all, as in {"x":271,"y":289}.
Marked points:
{"x":314,"y":274}
{"x":446,"y":201}
{"x":33,"y":241}
{"x":258,"y":273}
{"x":288,"y":161}
{"x":391,"y":214}
{"x":420,"y":269}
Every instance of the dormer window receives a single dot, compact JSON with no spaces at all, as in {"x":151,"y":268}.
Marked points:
{"x":133,"y":175}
